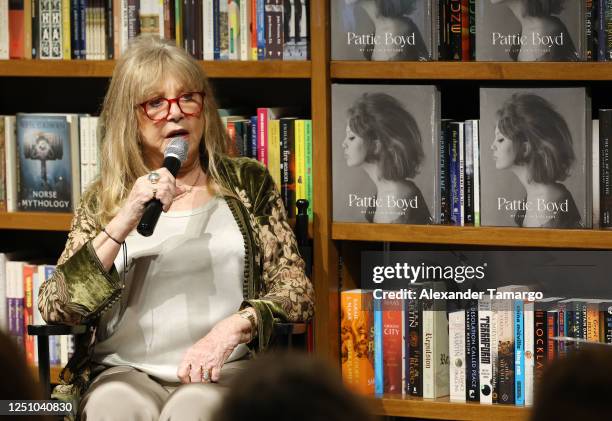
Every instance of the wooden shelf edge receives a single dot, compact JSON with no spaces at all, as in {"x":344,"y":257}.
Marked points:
{"x":43,"y":221}
{"x":442,"y":70}
{"x":104,"y":68}
{"x":485,"y":236}
{"x":442,"y":408}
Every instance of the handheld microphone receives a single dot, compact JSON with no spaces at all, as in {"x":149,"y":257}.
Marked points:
{"x":174,"y":156}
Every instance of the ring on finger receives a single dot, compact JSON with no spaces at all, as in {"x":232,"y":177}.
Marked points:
{"x":153,"y":177}
{"x":205,"y":374}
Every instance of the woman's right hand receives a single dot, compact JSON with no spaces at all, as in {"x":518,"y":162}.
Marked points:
{"x":142,"y":192}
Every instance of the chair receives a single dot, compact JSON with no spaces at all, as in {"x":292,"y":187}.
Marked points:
{"x":282,"y":336}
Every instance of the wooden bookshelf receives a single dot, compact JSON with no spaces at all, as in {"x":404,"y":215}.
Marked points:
{"x":486,"y":236}
{"x":442,"y":70}
{"x":43,"y":221}
{"x":442,"y":408}
{"x":104,"y":68}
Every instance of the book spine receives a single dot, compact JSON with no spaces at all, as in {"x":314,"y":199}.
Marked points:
{"x":608,"y":328}
{"x":605,"y":169}
{"x":551,"y":328}
{"x":476,"y":177}
{"x":415,"y":359}
{"x":589,"y":20}
{"x":254,"y":145}
{"x":592,"y":322}
{"x":428,"y":350}
{"x":472,"y":389}
{"x":35,"y":26}
{"x":27,"y":29}
{"x":216,"y":29}
{"x":10,"y":143}
{"x":16,"y":29}
{"x":505,"y":331}
{"x":274,"y":151}
{"x":4,"y":29}
{"x":253,"y":30}
{"x":233,"y":16}
{"x":261,"y":30}
{"x":262,"y":138}
{"x":379,"y":384}
{"x":28,"y":311}
{"x":472,"y":27}
{"x":608,"y":29}
{"x":444,"y":154}
{"x":208,"y":22}
{"x":494,"y":352}
{"x":455,"y":29}
{"x":540,"y":343}
{"x":601,"y":31}
{"x":465,"y":31}
{"x":485,"y":317}
{"x":455,"y":187}
{"x":468,"y":140}
{"x":300,"y":173}
{"x":528,"y":326}
{"x":519,"y":354}
{"x":456,"y":343}
{"x":245,"y":30}
{"x":66,"y":34}
{"x":461,"y":171}
{"x":308,"y":165}
{"x":392,"y":343}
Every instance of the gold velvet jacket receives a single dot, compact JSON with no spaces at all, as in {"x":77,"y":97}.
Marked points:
{"x":275,"y":284}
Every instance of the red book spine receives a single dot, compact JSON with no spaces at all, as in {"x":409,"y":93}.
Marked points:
{"x":465,"y":31}
{"x":28,"y":310}
{"x":16,"y":29}
{"x":392,"y":345}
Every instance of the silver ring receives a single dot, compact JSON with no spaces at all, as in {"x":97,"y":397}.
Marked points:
{"x":153,"y":177}
{"x":205,"y":375}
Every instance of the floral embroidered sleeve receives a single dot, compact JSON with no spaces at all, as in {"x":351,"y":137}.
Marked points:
{"x":288,"y":293}
{"x":80,"y":287}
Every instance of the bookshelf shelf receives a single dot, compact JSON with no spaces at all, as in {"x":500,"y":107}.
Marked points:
{"x":487,"y":236}
{"x":104,"y":68}
{"x":35,"y":221}
{"x":441,"y":70}
{"x":442,"y":408}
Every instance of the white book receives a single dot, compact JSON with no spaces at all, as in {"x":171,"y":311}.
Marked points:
{"x":476,"y":181}
{"x":485,"y":317}
{"x":596,"y":178}
{"x":3,"y":295}
{"x":233,"y":29}
{"x":124,"y":25}
{"x":94,"y":148}
{"x":4,"y":30}
{"x":435,"y":348}
{"x":160,"y":12}
{"x":208,"y":30}
{"x":10,"y":145}
{"x":245,"y":29}
{"x":529,"y":308}
{"x":83,"y":147}
{"x":456,"y":343}
{"x":63,"y":350}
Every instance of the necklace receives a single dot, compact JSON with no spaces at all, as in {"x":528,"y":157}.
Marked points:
{"x":188,"y":189}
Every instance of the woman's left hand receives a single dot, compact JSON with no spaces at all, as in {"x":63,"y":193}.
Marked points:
{"x":210,"y":353}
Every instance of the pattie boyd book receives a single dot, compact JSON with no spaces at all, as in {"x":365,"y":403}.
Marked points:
{"x":391,"y":30}
{"x":385,"y":153}
{"x":530,"y":30}
{"x":535,"y":159}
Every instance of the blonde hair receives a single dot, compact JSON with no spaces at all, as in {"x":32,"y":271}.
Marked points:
{"x":139,"y":71}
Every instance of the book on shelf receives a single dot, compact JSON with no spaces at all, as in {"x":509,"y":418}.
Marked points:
{"x":402,"y":31}
{"x":48,"y":160}
{"x":555,"y":32}
{"x":385,"y":153}
{"x":536,"y":157}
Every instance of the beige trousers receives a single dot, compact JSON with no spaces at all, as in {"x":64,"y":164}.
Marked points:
{"x":125,"y":393}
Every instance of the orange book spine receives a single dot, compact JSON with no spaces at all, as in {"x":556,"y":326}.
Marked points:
{"x":592,"y":322}
{"x":16,"y":29}
{"x":357,"y":341}
{"x":28,"y":310}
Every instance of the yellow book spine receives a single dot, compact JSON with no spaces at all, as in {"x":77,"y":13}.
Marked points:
{"x":27,"y":29}
{"x":274,"y":151}
{"x":592,"y":322}
{"x":66,"y":51}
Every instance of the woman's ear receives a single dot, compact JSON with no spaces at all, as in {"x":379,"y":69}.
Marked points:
{"x":527,"y":149}
{"x":377,"y":147}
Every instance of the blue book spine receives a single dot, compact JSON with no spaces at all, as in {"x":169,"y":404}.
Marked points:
{"x":378,"y":348}
{"x":261,"y":30}
{"x":216,"y":31}
{"x":82,"y":26}
{"x":254,"y":137}
{"x":519,"y":354}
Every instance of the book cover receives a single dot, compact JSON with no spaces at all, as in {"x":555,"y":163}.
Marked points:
{"x":528,"y":325}
{"x":472,"y":390}
{"x":519,"y":354}
{"x":48,"y":163}
{"x":455,"y":172}
{"x":383,"y":31}
{"x":485,"y":316}
{"x":379,"y":372}
{"x":385,"y":153}
{"x":505,"y":349}
{"x":530,"y":31}
{"x":414,"y":338}
{"x":392,"y":344}
{"x":4,"y":30}
{"x":536,"y":161}
{"x":436,"y":361}
{"x":357,"y":340}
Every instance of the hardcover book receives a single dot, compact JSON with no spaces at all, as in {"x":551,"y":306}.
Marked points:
{"x":385,"y":153}
{"x":536,"y":161}
{"x":48,"y":160}
{"x":456,"y":343}
{"x":530,"y":31}
{"x":383,"y":31}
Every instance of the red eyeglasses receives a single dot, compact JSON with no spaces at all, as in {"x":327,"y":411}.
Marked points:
{"x":189,"y":103}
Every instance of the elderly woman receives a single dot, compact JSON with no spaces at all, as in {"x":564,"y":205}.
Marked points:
{"x":534,"y":142}
{"x":538,"y":20}
{"x":383,"y":139}
{"x":173,"y":314}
